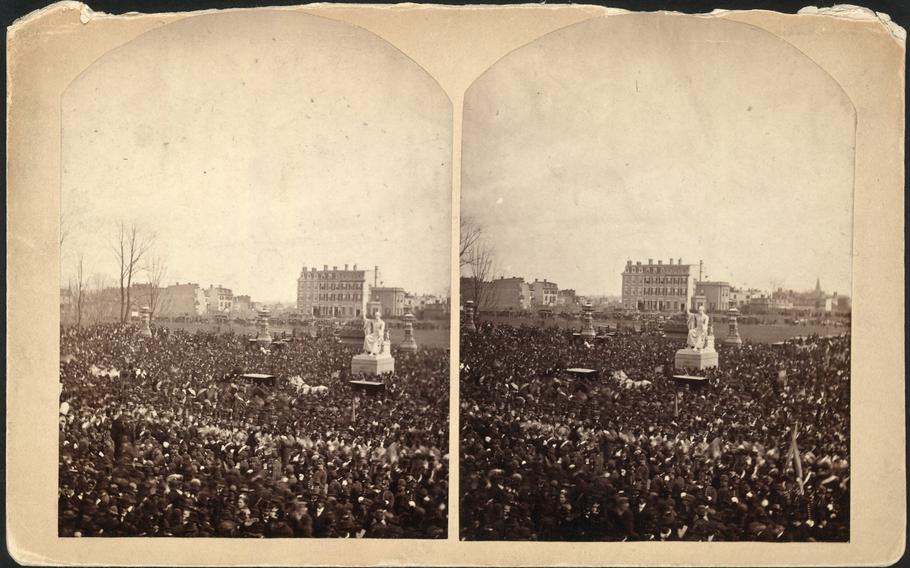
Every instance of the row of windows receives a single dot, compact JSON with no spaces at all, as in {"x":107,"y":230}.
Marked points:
{"x":333,"y":285}
{"x":651,"y":269}
{"x":324,"y":276}
{"x":657,"y":280}
{"x":649,"y":290}
{"x":332,"y":296}
{"x":335,"y":311}
{"x":660,"y":305}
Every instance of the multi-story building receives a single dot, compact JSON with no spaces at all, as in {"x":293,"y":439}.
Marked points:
{"x":218,"y":300}
{"x":242,"y":306}
{"x":657,"y":287}
{"x":566,"y":297}
{"x":187,"y":300}
{"x":501,"y":294}
{"x":182,"y":300}
{"x":427,"y":306}
{"x":716,"y":295}
{"x":435,"y":310}
{"x":337,"y":293}
{"x":391,"y":300}
{"x":543,"y":293}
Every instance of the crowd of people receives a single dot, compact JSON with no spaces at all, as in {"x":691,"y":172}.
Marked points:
{"x":165,"y":436}
{"x":759,"y":453}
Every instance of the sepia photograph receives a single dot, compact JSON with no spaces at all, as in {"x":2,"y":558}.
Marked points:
{"x":497,"y":285}
{"x":655,"y":290}
{"x":255,"y":279}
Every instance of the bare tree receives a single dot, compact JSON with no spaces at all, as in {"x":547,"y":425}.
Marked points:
{"x":156,"y":271}
{"x":78,"y":288}
{"x":476,"y":263}
{"x":481,"y":270}
{"x":100,"y":305}
{"x":469,"y":235}
{"x":130,"y":245}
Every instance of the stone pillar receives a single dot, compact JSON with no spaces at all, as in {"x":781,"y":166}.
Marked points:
{"x":469,"y":316}
{"x":709,"y":340}
{"x":145,"y":315}
{"x":733,"y":337}
{"x":409,"y":344}
{"x":587,"y":330}
{"x":264,"y":336}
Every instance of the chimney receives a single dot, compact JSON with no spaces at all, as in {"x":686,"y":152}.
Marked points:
{"x":345,"y":267}
{"x":650,"y":261}
{"x":334,"y":268}
{"x":355,"y":267}
{"x":671,"y":262}
{"x":325,"y":267}
{"x":680,"y":261}
{"x":660,"y":261}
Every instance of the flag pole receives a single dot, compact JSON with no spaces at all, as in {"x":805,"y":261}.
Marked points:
{"x":799,"y":462}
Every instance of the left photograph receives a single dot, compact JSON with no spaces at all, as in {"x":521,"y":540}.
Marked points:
{"x":255,"y":285}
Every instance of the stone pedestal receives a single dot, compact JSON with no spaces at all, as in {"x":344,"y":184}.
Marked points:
{"x":409,"y":344}
{"x":733,"y":337}
{"x":364,"y":364}
{"x":264,"y":336}
{"x":587,"y":330}
{"x":695,"y":359}
{"x":469,"y":324}
{"x":145,"y":315}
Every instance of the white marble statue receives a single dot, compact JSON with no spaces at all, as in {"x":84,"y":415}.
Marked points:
{"x":374,"y":334}
{"x":698,"y":329}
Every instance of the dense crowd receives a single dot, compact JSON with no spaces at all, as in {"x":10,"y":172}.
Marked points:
{"x":633,"y":455}
{"x":164,"y":436}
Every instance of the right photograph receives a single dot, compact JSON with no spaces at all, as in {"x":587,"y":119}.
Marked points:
{"x":656,"y":279}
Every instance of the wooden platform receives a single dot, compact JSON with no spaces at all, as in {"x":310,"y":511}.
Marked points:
{"x":367,"y":386}
{"x":690,"y":380}
{"x":259,"y":378}
{"x":581,"y":373}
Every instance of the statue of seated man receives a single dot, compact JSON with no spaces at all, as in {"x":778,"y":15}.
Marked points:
{"x":698,"y":329}
{"x":374,"y":334}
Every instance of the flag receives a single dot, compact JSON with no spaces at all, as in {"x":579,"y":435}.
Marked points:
{"x":794,"y":450}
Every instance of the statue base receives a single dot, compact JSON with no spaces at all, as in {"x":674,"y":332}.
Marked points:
{"x":364,"y":364}
{"x":693,"y":359}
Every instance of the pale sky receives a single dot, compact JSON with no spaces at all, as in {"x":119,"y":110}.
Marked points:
{"x":254,"y":148}
{"x":608,"y":141}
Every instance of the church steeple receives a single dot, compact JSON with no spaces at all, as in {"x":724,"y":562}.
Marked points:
{"x":818,"y":285}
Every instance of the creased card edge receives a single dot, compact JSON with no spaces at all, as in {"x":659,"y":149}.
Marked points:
{"x":840,"y":11}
